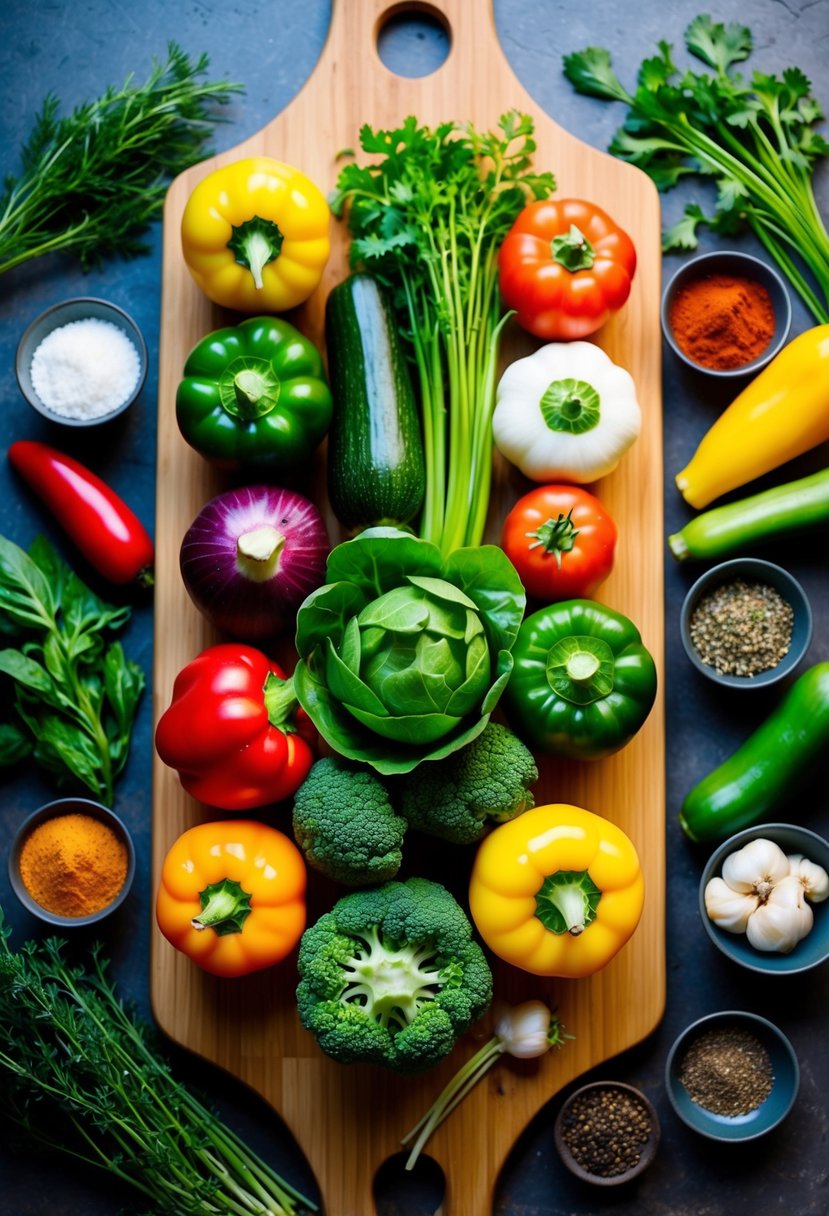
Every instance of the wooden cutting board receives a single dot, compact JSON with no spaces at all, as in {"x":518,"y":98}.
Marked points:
{"x":349,"y":1120}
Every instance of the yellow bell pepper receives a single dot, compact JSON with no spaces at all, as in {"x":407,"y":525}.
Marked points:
{"x":557,"y":891}
{"x":255,"y":235}
{"x":782,"y":413}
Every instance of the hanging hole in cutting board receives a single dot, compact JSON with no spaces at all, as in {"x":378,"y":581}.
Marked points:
{"x":413,"y":40}
{"x":402,"y":1192}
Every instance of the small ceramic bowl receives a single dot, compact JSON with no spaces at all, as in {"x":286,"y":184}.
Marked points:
{"x":648,"y":1149}
{"x":814,"y":948}
{"x":750,"y":570}
{"x":79,"y":309}
{"x":772,"y":1111}
{"x":741,"y":266}
{"x":69,"y":806}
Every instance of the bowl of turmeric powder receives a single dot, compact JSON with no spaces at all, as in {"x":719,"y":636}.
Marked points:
{"x":726,"y":313}
{"x":72,"y":862}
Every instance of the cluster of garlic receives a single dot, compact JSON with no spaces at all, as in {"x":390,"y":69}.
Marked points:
{"x":766,"y":895}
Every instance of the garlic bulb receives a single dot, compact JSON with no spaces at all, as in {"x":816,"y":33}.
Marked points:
{"x":785,"y":917}
{"x":728,"y":908}
{"x":755,"y":868}
{"x":814,"y":879}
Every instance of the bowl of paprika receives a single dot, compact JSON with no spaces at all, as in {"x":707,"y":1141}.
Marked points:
{"x":71,"y":862}
{"x":726,"y":313}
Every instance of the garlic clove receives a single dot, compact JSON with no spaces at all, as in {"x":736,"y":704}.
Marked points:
{"x":756,"y":867}
{"x":783,"y":920}
{"x":727,"y":908}
{"x":813,"y":878}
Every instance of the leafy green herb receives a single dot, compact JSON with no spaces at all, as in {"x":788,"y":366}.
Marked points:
{"x":92,"y":181}
{"x":427,"y":219}
{"x":757,"y":140}
{"x":76,"y":693}
{"x":81,"y":1075}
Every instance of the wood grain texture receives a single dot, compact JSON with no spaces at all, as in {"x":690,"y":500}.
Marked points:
{"x":348,"y":1120}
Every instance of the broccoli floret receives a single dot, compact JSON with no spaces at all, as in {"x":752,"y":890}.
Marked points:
{"x":346,"y":826}
{"x":455,"y":798}
{"x":392,"y":976}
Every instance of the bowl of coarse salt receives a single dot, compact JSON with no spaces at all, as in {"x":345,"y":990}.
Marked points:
{"x":81,"y":362}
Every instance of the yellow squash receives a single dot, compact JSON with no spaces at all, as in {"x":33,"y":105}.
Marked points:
{"x":782,"y":413}
{"x":557,"y":891}
{"x":254,"y":234}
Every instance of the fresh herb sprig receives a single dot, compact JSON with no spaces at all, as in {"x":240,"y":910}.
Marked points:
{"x":93,"y":180}
{"x":80,"y":1075}
{"x":427,"y":218}
{"x":756,"y":139}
{"x":76,"y":692}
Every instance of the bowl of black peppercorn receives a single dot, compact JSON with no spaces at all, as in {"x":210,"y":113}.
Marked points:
{"x":607,"y":1133}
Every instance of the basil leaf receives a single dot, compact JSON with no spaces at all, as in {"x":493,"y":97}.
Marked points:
{"x":123,"y":683}
{"x":25,"y":594}
{"x":14,"y":744}
{"x":30,"y":674}
{"x":62,"y":746}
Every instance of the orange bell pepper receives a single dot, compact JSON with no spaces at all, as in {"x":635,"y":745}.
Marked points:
{"x":232,"y":896}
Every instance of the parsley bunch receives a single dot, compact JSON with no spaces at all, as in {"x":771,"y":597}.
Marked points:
{"x":757,"y":140}
{"x":427,"y":218}
{"x":81,"y":1076}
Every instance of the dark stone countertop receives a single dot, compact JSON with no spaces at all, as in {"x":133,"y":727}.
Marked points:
{"x":76,"y":50}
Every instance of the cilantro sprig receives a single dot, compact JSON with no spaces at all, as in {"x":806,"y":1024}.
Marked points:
{"x":427,"y":217}
{"x":755,"y":138}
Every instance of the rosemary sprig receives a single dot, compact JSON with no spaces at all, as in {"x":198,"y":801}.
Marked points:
{"x":80,"y":1075}
{"x":93,"y":180}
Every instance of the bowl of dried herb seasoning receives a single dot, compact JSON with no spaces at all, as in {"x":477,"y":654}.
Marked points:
{"x":746,"y":623}
{"x":732,"y":1076}
{"x":607,"y":1133}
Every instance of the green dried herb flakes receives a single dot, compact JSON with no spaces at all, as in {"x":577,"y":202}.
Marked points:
{"x":741,"y":629}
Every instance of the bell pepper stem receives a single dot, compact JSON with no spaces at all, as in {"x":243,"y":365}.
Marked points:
{"x":281,"y":703}
{"x":225,"y":907}
{"x":572,"y":250}
{"x":582,"y":666}
{"x":566,"y":901}
{"x":255,"y":243}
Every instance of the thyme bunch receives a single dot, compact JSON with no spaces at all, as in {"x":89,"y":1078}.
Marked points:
{"x":93,"y":180}
{"x":81,"y":1077}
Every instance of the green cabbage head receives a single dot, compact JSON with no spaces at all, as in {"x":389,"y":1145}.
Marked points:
{"x":403,"y":653}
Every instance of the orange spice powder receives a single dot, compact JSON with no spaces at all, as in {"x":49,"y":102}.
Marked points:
{"x":73,"y":865}
{"x":722,"y":322}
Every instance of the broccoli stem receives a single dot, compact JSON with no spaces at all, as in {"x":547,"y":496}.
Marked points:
{"x":391,"y":983}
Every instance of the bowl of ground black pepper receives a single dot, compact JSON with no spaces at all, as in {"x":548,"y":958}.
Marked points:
{"x":607,"y":1133}
{"x":72,"y":862}
{"x":732,"y":1076}
{"x":726,"y":313}
{"x":746,"y":623}
{"x":81,"y":362}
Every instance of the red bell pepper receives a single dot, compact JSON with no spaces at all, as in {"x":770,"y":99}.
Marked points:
{"x":106,"y":531}
{"x":565,"y":266}
{"x":234,"y":731}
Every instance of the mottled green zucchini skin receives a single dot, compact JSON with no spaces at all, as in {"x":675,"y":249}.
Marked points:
{"x":376,"y":472}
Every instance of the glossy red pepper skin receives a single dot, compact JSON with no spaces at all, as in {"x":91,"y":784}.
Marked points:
{"x":106,"y":531}
{"x":218,"y":735}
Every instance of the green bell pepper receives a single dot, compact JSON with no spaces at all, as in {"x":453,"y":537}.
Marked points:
{"x":254,"y":397}
{"x":582,"y":684}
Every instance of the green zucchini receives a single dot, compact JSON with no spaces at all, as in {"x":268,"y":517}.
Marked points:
{"x":768,"y":768}
{"x":792,"y":507}
{"x":376,"y":470}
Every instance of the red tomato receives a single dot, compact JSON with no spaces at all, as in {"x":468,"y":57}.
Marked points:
{"x":565,"y":266}
{"x":561,"y":541}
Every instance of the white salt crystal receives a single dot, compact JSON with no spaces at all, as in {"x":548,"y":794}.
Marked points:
{"x":85,"y":369}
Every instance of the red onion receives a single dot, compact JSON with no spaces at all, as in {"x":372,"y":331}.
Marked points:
{"x":250,"y":558}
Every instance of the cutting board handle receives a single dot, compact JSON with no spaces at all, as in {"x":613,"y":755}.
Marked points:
{"x":357,"y":24}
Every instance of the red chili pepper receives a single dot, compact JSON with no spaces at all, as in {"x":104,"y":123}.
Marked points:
{"x":106,"y":531}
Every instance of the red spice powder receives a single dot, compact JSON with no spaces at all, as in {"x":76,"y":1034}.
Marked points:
{"x":722,"y":322}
